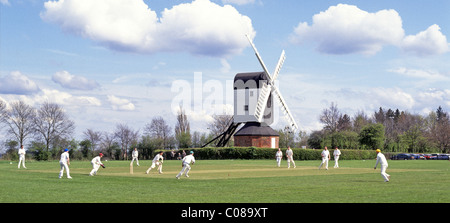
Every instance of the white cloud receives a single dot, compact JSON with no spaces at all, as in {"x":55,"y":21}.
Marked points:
{"x":428,"y":42}
{"x":238,"y":2}
{"x":200,"y":27}
{"x":428,"y":75}
{"x":346,"y":29}
{"x":55,"y":96}
{"x":17,"y":83}
{"x":432,"y":98}
{"x":120,"y":104}
{"x":390,"y":97}
{"x":66,"y":99}
{"x":5,"y":2}
{"x":68,"y":80}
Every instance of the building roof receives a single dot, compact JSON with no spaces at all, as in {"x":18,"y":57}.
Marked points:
{"x":256,"y":129}
{"x":255,"y":77}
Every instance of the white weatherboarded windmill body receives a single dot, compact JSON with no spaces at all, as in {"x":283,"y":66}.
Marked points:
{"x":254,"y":95}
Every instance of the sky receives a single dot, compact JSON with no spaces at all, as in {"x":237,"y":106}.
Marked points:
{"x":128,"y":61}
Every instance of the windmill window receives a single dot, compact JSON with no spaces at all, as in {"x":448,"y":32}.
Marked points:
{"x":245,"y":107}
{"x":251,"y":93}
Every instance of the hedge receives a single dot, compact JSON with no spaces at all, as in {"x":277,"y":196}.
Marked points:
{"x":216,"y":153}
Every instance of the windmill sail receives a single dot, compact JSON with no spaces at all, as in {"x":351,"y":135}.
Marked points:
{"x":285,"y":109}
{"x":262,"y":102}
{"x":270,"y":88}
{"x":259,"y":58}
{"x":279,"y":65}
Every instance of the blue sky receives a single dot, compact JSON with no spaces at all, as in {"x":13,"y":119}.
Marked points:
{"x":108,"y":62}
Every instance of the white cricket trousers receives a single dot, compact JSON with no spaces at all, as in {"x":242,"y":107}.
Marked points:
{"x":21,"y":159}
{"x":94,"y":169}
{"x":278,"y":161}
{"x":154,"y":164}
{"x":384,"y":174}
{"x":64,"y":165}
{"x":186,"y":168}
{"x":137,"y":161}
{"x":336,"y":164}
{"x":324,"y":160}
{"x":289,"y":160}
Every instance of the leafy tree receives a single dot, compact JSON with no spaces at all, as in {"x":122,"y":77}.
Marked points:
{"x":315,"y":139}
{"x":372,"y":136}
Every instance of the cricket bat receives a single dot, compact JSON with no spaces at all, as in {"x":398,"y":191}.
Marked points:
{"x":131,"y":169}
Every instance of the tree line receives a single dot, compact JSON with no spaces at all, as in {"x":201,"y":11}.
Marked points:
{"x":387,"y":129}
{"x":46,"y":130}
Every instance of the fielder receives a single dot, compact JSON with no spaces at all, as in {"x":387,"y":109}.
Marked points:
{"x":384,"y":165}
{"x":135,"y":155}
{"x":325,"y":157}
{"x":336,"y":155}
{"x":290,"y":157}
{"x":278,"y":157}
{"x":64,"y":162}
{"x":21,"y":157}
{"x":96,"y":163}
{"x":156,"y":162}
{"x":186,"y":164}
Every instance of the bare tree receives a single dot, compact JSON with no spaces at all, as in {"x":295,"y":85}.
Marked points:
{"x":2,"y":110}
{"x":19,"y":119}
{"x":51,"y":122}
{"x":94,"y":137}
{"x":159,"y":129}
{"x":2,"y":115}
{"x":439,"y":129}
{"x":126,"y":138}
{"x":330,"y":118}
{"x":182,"y":130}
{"x":107,"y":143}
{"x":344,"y":123}
{"x":360,"y":120}
{"x":219,"y":124}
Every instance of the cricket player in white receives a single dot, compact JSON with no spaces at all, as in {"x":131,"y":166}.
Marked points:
{"x":279,"y":156}
{"x":325,"y":157}
{"x":64,"y":162}
{"x":21,"y":157}
{"x":384,"y":165}
{"x":186,"y":163}
{"x":336,"y":155}
{"x":290,"y":157}
{"x":156,"y":162}
{"x":135,"y":155}
{"x":96,"y":163}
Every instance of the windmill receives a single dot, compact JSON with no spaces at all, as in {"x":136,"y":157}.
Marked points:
{"x":254,"y":94}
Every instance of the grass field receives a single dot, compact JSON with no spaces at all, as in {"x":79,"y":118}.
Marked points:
{"x":228,"y":181}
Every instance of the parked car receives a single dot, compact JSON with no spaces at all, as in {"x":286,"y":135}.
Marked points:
{"x":418,"y":156}
{"x":443,"y":157}
{"x":403,"y":156}
{"x":431,"y":156}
